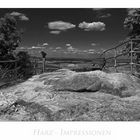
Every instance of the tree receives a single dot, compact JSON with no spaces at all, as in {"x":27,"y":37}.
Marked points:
{"x":9,"y":36}
{"x":132,"y":23}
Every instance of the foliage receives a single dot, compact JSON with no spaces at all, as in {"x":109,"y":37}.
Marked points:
{"x":132,"y":23}
{"x":9,"y":36}
{"x":26,"y":68}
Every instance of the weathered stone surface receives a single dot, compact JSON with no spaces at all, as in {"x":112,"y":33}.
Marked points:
{"x":119,"y":84}
{"x":69,"y":96}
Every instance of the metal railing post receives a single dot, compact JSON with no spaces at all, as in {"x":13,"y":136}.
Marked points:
{"x":115,"y":59}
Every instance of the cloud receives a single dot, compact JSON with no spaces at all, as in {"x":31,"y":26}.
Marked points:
{"x":54,"y":50}
{"x":55,"y":32}
{"x":58,"y":48}
{"x":101,"y":12}
{"x":21,"y":16}
{"x":105,"y":15}
{"x":71,"y":49}
{"x":50,"y":48}
{"x":79,"y":51}
{"x":36,"y":47}
{"x":93,"y":44}
{"x":60,"y":25}
{"x":45,"y":44}
{"x":68,"y":45}
{"x":91,"y":51}
{"x":74,"y":50}
{"x":98,"y":9}
{"x":94,"y":26}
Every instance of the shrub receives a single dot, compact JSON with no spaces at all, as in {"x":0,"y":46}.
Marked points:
{"x":26,"y":67}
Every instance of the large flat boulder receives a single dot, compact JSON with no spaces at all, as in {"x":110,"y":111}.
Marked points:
{"x":66,"y":95}
{"x":119,"y":84}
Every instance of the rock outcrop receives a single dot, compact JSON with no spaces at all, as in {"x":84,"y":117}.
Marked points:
{"x":119,"y":84}
{"x":66,"y":95}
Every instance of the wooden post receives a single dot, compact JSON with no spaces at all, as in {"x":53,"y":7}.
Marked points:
{"x":43,"y":65}
{"x":44,"y":59}
{"x":115,"y":60}
{"x":131,"y":59}
{"x":104,"y":62}
{"x":35,"y":66}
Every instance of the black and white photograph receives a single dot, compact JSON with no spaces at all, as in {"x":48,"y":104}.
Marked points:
{"x":70,"y":64}
{"x":69,"y":69}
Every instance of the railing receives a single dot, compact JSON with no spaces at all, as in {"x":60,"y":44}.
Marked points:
{"x":40,"y":65}
{"x":8,"y":71}
{"x":129,"y":54}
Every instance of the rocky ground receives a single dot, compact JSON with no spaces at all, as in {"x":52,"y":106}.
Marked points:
{"x":66,"y":95}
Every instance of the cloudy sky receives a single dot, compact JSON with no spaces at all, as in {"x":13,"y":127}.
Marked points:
{"x":70,"y":32}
